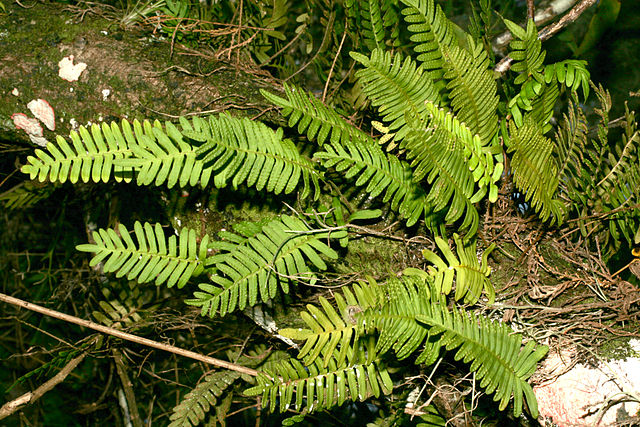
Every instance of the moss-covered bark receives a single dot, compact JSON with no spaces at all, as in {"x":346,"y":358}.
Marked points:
{"x":145,"y":77}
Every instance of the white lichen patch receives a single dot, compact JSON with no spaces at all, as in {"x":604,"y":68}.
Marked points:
{"x":39,"y":140}
{"x":29,"y":125}
{"x":70,"y":71}
{"x":43,"y":111}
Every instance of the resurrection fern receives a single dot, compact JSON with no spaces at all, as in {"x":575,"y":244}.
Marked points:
{"x":153,"y":258}
{"x":230,"y":150}
{"x":313,"y":118}
{"x":432,"y":33}
{"x":196,"y":404}
{"x":472,"y":89}
{"x":25,"y":194}
{"x":396,"y":86}
{"x":496,"y":355}
{"x":122,"y":306}
{"x":376,"y":20}
{"x":315,"y":388}
{"x":275,"y":257}
{"x":539,"y":84}
{"x":471,"y":276}
{"x":381,"y":173}
{"x":353,"y":152}
{"x":406,"y":316}
{"x":535,"y":173}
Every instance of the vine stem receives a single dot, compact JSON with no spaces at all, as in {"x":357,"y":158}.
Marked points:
{"x":31,"y":396}
{"x":126,"y":336}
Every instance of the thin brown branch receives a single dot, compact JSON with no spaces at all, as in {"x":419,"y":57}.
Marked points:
{"x":531,"y":10}
{"x":128,"y":337}
{"x":129,"y":394}
{"x":549,"y":31}
{"x":31,"y":396}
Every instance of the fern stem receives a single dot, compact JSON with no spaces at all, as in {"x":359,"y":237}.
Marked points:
{"x":126,"y":336}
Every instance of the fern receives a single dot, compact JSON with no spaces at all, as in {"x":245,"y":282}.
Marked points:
{"x":497,"y":356}
{"x":236,"y":150}
{"x":25,"y":195}
{"x":534,"y":172}
{"x":406,"y":316}
{"x":378,"y":23}
{"x":317,"y":388}
{"x":472,"y":89}
{"x":314,"y":118}
{"x":249,"y":152}
{"x":272,"y":258}
{"x":396,"y":86}
{"x":471,"y":276}
{"x":381,"y":174}
{"x":122,"y":306}
{"x":196,"y":404}
{"x":432,"y":33}
{"x":173,"y":260}
{"x":526,"y":52}
{"x":91,"y":156}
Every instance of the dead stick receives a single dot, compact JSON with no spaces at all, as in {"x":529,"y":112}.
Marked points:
{"x":548,"y":31}
{"x":129,"y":337}
{"x":31,"y":396}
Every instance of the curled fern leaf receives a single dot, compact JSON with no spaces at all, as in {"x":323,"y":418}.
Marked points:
{"x":173,"y":260}
{"x":273,"y":258}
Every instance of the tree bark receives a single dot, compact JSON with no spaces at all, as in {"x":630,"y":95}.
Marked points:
{"x":129,"y":74}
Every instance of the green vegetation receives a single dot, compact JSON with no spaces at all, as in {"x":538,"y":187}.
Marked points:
{"x":415,"y":129}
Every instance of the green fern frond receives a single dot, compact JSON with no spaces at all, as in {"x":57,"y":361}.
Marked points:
{"x":314,"y":118}
{"x":496,"y":354}
{"x":396,"y":86}
{"x":92,"y":155}
{"x":162,"y":156}
{"x":244,"y":151}
{"x":526,"y":52}
{"x":173,"y":260}
{"x":378,"y":23}
{"x":432,"y":32}
{"x":193,"y":408}
{"x":535,"y":173}
{"x":123,"y":305}
{"x":25,"y":194}
{"x":318,"y":388}
{"x":483,"y":160}
{"x":471,"y":276}
{"x":381,"y":173}
{"x":238,"y":151}
{"x":472,"y":89}
{"x":437,"y":157}
{"x":572,"y":73}
{"x":274,"y":257}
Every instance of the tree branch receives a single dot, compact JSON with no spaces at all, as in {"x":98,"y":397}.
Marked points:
{"x":549,"y":31}
{"x":31,"y":396}
{"x":129,"y":337}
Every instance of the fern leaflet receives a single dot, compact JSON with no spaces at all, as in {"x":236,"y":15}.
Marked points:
{"x":172,"y":260}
